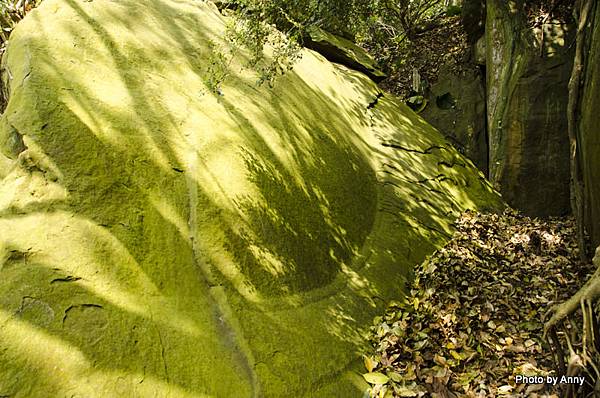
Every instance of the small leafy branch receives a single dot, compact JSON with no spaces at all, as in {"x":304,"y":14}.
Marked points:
{"x":218,"y":67}
{"x":254,"y":36}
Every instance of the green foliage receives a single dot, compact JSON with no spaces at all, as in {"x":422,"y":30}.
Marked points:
{"x":260,"y":22}
{"x":253,"y":34}
{"x":395,"y":24}
{"x":382,"y":26}
{"x":218,"y":67}
{"x":293,"y":16}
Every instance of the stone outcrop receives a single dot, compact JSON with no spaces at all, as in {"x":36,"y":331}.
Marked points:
{"x":157,"y":239}
{"x":527,"y":76}
{"x":589,"y":130}
{"x":456,"y":107}
{"x":343,"y":51}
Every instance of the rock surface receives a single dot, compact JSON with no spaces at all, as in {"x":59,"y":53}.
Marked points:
{"x":589,"y":132}
{"x":341,"y":50}
{"x":527,"y":80}
{"x":456,"y":107}
{"x":160,"y":240}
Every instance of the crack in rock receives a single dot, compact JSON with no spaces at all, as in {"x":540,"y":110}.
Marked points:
{"x":413,"y":182}
{"x":427,"y":151}
{"x":439,"y":178}
{"x":69,"y":278}
{"x":217,"y":297}
{"x":373,"y":103}
{"x":76,"y":306}
{"x":163,"y":356}
{"x":451,"y":164}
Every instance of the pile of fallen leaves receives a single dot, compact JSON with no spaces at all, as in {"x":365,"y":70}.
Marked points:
{"x":473,"y":317}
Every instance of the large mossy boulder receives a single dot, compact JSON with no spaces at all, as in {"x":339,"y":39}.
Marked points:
{"x":159,"y":240}
{"x":589,"y":130}
{"x":528,"y":71}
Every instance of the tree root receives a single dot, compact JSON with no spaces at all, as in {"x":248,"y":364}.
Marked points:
{"x":587,"y":294}
{"x":582,"y":352}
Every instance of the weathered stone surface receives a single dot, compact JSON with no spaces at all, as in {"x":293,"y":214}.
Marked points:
{"x":479,"y":52}
{"x":341,"y":50}
{"x":457,"y":109}
{"x":527,"y":99}
{"x":589,"y":131}
{"x":159,"y":240}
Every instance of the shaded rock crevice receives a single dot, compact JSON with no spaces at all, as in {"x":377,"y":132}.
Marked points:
{"x":66,"y":279}
{"x":78,"y":306}
{"x":457,"y":109}
{"x":588,"y":135}
{"x":14,"y":144}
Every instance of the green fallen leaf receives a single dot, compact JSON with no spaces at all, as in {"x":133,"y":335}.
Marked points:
{"x":370,"y":363}
{"x":376,"y":378}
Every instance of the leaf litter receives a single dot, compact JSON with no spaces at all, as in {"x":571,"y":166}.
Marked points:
{"x":473,"y":316}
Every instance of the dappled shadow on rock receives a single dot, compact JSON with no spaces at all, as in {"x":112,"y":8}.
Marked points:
{"x":305,"y":232}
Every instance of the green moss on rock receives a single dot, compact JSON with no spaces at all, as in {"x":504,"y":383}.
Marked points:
{"x":159,"y":240}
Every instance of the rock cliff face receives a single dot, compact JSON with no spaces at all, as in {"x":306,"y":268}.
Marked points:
{"x":160,"y":240}
{"x":457,"y":109}
{"x":527,"y":76}
{"x":513,"y":127}
{"x":589,"y":131}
